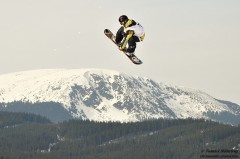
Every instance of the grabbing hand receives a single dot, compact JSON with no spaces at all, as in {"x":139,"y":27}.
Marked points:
{"x":122,"y":49}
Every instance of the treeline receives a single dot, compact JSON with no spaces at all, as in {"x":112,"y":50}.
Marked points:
{"x":51,"y":110}
{"x":8,"y":119}
{"x":77,"y":139}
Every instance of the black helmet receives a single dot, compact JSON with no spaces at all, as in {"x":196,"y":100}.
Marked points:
{"x":123,"y":19}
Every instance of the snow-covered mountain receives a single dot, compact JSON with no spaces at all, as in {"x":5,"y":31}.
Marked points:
{"x":106,"y":95}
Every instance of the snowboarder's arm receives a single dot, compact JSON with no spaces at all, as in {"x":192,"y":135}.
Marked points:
{"x":128,"y":36}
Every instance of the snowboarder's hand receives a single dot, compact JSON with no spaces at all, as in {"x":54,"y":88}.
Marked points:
{"x":122,"y":49}
{"x":124,"y":34}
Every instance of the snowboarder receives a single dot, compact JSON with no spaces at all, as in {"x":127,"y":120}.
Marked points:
{"x":129,"y":33}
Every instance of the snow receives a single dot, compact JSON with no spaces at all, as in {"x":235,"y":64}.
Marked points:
{"x":146,"y":98}
{"x":54,"y":85}
{"x":40,"y":85}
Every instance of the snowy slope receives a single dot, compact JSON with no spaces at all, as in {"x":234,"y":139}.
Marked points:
{"x":105,"y":95}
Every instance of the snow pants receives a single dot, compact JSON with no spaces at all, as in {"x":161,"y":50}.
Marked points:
{"x":131,"y":42}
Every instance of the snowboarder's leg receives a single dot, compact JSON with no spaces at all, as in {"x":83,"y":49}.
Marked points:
{"x":132,"y":44}
{"x":119,"y":35}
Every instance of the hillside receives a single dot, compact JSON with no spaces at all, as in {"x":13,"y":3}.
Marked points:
{"x":105,"y":95}
{"x":10,"y":119}
{"x":178,"y":138}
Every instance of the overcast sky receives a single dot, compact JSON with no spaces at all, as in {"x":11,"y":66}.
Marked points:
{"x":191,"y":43}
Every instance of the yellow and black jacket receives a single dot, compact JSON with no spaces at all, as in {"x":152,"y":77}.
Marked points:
{"x":131,"y":28}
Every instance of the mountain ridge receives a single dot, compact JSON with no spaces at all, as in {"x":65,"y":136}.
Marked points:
{"x":108,"y":95}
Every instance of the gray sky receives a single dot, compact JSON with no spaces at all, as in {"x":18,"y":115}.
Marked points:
{"x":191,"y":43}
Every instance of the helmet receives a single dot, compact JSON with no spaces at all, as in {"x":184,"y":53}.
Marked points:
{"x":123,"y":19}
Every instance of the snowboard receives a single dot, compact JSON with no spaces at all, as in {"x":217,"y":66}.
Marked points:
{"x":132,"y":57}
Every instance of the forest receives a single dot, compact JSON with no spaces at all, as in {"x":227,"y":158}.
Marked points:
{"x":28,"y":136}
